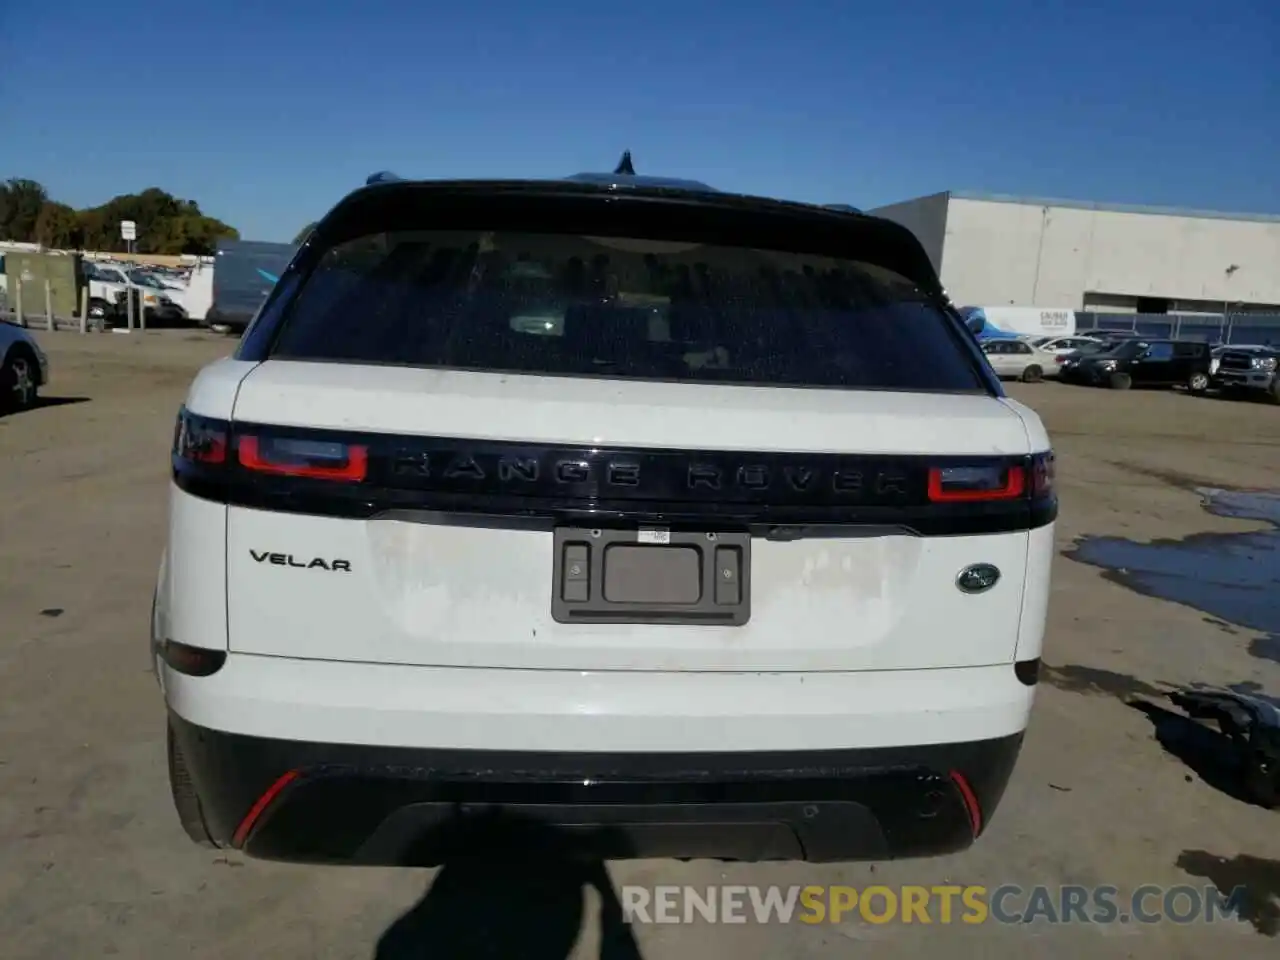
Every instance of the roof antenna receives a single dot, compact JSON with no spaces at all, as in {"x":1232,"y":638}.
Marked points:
{"x":624,"y":165}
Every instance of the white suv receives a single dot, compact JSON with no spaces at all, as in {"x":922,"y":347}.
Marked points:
{"x":619,"y":506}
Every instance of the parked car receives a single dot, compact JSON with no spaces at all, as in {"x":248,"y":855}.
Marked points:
{"x":24,"y":367}
{"x":1072,"y":357}
{"x":1108,"y":336}
{"x":1248,"y":370}
{"x":1019,"y":360}
{"x":108,"y":284}
{"x":1220,"y":348}
{"x":164,"y":313}
{"x":1144,"y":362}
{"x":1062,"y":346}
{"x":157,"y":279}
{"x":491,"y":514}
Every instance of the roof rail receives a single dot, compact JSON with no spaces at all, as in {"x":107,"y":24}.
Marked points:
{"x":382,"y":176}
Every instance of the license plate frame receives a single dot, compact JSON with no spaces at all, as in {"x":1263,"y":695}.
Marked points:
{"x":642,"y":575}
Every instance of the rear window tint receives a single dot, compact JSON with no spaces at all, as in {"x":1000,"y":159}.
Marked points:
{"x":595,"y":306}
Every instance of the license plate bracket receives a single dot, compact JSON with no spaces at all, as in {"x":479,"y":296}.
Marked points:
{"x":651,"y":575}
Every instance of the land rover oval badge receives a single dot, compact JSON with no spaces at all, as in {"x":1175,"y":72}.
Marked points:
{"x":978,"y":578}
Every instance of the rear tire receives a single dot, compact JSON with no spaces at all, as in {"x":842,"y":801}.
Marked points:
{"x":185,"y":800}
{"x":1120,"y":381}
{"x":1198,"y":383}
{"x":19,"y":379}
{"x":1033,"y":374}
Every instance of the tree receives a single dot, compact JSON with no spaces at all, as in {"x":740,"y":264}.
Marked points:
{"x":20,"y":204}
{"x":166,"y":224}
{"x":57,"y":226}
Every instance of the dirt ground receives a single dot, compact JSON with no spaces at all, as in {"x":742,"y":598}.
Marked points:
{"x":95,"y":864}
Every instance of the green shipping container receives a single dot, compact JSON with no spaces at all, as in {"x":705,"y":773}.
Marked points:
{"x":62,"y":270}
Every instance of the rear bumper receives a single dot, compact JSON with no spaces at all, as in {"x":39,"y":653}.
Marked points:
{"x":340,"y":803}
{"x":607,"y":711}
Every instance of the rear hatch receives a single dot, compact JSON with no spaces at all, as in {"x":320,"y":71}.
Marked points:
{"x":648,"y":434}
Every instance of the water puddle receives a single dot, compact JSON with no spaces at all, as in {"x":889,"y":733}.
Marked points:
{"x":1232,"y":576}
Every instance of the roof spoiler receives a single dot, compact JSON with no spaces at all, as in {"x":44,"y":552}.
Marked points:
{"x":397,"y":204}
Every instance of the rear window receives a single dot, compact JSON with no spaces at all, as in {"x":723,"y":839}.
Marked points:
{"x":608,"y":306}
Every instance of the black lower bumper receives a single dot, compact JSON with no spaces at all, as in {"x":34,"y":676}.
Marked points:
{"x":322,"y":803}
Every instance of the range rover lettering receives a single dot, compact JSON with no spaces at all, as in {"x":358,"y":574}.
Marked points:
{"x":696,"y":524}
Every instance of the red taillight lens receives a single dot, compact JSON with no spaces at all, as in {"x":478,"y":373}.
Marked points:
{"x":977,"y":482}
{"x":317,"y":459}
{"x":199,"y":440}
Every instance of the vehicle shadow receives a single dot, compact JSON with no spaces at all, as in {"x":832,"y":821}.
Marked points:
{"x":1259,"y":879}
{"x":1211,"y":755}
{"x":507,"y":889}
{"x":45,"y":402}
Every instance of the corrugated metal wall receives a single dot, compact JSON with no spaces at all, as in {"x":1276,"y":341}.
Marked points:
{"x":1016,"y":254}
{"x":1226,"y":328}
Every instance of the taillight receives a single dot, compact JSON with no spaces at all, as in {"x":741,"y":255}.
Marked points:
{"x":200,"y":440}
{"x":993,"y":481}
{"x":1042,"y":471}
{"x":317,"y":459}
{"x":977,"y":482}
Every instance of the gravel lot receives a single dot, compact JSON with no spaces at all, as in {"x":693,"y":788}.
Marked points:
{"x":95,"y":864}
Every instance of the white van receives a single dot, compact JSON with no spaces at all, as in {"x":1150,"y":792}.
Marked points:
{"x":997,"y":322}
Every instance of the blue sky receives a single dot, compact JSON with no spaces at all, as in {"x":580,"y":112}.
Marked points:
{"x":266,"y":114}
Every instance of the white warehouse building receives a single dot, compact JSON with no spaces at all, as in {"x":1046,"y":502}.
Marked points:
{"x":995,"y":250}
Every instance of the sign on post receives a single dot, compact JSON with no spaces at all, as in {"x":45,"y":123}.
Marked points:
{"x":128,"y":230}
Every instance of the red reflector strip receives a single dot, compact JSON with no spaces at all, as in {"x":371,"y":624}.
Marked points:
{"x":260,"y":807}
{"x":970,"y":800}
{"x":289,"y":458}
{"x":957,"y":484}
